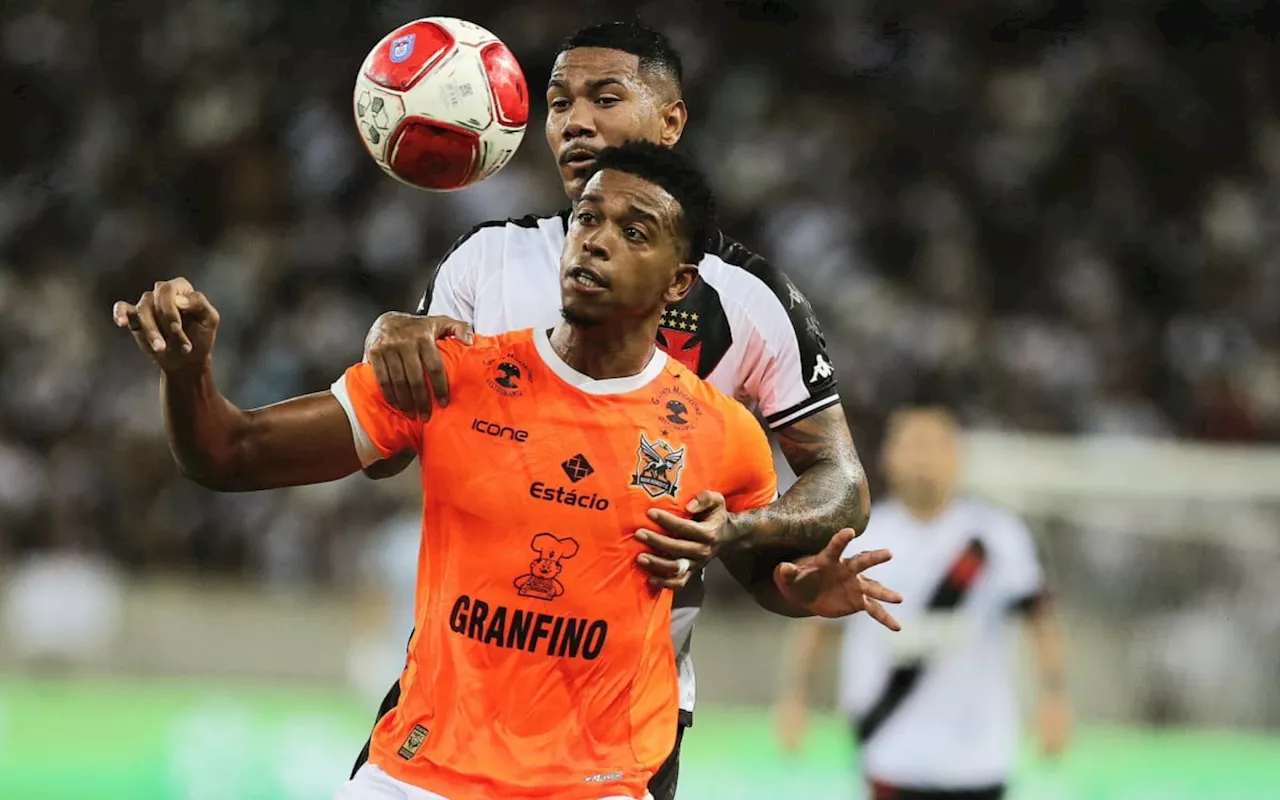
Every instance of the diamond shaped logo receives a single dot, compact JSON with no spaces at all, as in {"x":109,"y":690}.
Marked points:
{"x":577,"y":468}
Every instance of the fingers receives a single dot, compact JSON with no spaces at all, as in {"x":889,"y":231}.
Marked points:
{"x":695,"y":550}
{"x":378,"y":361}
{"x":686,"y":529}
{"x":403,"y":352}
{"x":121,"y":313}
{"x":399,"y":396}
{"x":168,"y":316}
{"x":128,"y":316}
{"x":785,"y":574}
{"x":158,"y":320}
{"x":865,"y":561}
{"x":415,"y":381}
{"x":433,"y":381}
{"x":664,"y":573}
{"x":802,"y":585}
{"x":881,"y":615}
{"x":836,"y":547}
{"x":457,"y":330}
{"x":142,"y":322}
{"x":197,"y":308}
{"x":878,"y":591}
{"x":704,"y":502}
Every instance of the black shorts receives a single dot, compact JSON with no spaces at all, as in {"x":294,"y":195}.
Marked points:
{"x":663,"y":783}
{"x":885,"y":791}
{"x":662,"y":786}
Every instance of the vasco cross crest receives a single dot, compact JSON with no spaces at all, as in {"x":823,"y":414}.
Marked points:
{"x":658,"y":467}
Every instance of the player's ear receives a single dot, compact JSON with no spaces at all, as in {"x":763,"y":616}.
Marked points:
{"x":674,"y":117}
{"x":681,"y":283}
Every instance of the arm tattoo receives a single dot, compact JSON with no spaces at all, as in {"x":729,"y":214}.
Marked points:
{"x":830,"y":491}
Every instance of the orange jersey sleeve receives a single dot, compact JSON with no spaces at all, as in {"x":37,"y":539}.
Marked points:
{"x":748,"y":478}
{"x":380,"y":430}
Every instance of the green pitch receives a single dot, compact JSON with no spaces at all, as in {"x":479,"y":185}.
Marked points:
{"x":186,"y":741}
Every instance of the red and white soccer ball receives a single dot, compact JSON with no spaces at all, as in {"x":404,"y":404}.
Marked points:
{"x":441,"y":104}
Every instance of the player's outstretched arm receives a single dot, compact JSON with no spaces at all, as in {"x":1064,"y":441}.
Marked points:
{"x":830,"y":495}
{"x":300,"y":441}
{"x":830,"y":492}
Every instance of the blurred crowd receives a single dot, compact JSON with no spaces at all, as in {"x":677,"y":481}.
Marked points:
{"x":1065,"y":213}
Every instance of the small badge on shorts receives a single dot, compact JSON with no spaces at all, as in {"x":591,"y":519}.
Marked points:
{"x":411,"y":745}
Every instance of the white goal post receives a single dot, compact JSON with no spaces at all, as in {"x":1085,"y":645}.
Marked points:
{"x":1175,"y":488}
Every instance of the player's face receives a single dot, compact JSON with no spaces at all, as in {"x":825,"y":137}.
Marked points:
{"x":599,"y":98}
{"x":622,"y":257}
{"x":922,"y":457}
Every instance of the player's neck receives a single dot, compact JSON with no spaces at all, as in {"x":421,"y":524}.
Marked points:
{"x":604,"y":352}
{"x":928,"y":511}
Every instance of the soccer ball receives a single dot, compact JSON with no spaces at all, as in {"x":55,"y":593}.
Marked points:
{"x":441,"y":104}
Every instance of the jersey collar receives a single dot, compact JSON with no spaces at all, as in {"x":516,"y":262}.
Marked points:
{"x":585,"y":383}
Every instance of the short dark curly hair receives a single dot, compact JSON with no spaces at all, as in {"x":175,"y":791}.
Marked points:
{"x":678,"y":177}
{"x":651,"y":46}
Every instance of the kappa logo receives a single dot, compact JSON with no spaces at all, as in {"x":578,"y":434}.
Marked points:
{"x":658,"y":468}
{"x":822,"y":369}
{"x":542,"y":581}
{"x":795,"y":297}
{"x":678,"y":408}
{"x":508,"y":375}
{"x":402,"y":48}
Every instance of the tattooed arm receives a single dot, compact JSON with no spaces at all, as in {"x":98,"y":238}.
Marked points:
{"x":830,"y":493}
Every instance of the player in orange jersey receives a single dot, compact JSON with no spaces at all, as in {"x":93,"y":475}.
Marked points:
{"x":542,"y":663}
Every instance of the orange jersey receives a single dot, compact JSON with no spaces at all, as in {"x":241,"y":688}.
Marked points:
{"x":542,"y":664}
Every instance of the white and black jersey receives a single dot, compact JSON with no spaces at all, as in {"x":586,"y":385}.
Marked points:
{"x":933,"y":705}
{"x":744,"y":327}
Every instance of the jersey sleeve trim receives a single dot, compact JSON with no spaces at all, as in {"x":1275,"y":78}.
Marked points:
{"x":365,"y":448}
{"x":810,"y":406}
{"x":799,"y":364}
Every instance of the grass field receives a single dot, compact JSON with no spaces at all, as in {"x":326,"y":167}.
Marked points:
{"x":147,"y":740}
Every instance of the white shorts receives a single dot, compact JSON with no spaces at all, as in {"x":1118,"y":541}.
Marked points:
{"x":371,"y":783}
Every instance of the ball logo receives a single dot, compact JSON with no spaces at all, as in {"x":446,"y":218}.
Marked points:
{"x":462,"y":99}
{"x":401,"y":48}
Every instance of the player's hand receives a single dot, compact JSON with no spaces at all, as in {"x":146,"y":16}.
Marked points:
{"x":688,"y":544}
{"x":402,"y":350}
{"x":173,"y":324}
{"x":827,"y":585}
{"x":1054,"y":721}
{"x":791,"y":718}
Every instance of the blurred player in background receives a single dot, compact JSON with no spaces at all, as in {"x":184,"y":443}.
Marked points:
{"x":933,"y":706}
{"x":744,"y":327}
{"x":542,"y":664}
